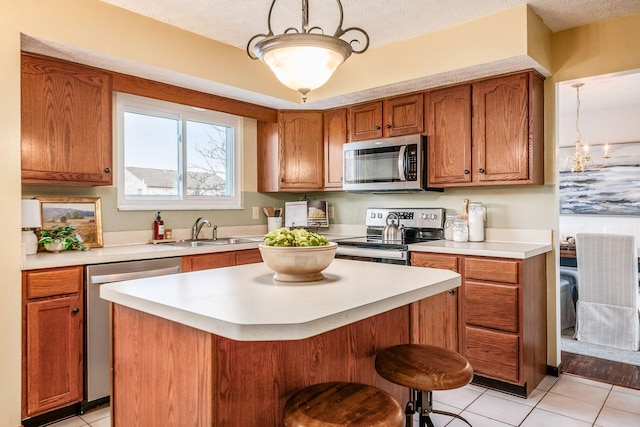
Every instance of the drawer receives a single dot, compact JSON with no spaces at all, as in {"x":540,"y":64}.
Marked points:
{"x":493,"y":354}
{"x":493,"y":270}
{"x":208,"y":261}
{"x":248,"y":256}
{"x":446,"y":262}
{"x":54,"y":281}
{"x":491,"y":306}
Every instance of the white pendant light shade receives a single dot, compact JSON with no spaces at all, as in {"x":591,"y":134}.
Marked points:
{"x":305,"y":59}
{"x":303,"y":62}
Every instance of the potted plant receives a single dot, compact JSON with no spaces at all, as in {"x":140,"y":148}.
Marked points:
{"x":59,"y":238}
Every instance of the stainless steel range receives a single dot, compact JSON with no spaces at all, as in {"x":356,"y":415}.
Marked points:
{"x":414,"y":225}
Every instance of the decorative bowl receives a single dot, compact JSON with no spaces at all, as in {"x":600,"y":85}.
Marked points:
{"x":54,"y":246}
{"x":298,"y":263}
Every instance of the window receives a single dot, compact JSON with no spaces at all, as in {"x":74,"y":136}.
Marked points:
{"x":173,"y":156}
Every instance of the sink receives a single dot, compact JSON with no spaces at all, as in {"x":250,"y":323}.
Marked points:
{"x":191,"y":243}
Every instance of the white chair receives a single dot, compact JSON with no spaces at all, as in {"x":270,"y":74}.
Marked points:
{"x":608,"y":310}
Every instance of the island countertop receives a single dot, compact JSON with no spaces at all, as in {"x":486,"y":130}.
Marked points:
{"x":245,"y":303}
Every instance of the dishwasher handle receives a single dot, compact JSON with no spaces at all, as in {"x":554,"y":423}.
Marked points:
{"x":117,"y":277}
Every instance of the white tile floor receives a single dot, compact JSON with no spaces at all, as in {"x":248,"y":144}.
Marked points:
{"x":568,"y":401}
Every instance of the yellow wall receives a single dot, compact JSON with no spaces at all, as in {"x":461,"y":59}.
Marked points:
{"x":96,"y":26}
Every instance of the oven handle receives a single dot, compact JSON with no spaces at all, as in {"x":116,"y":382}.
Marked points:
{"x":402,"y":163}
{"x":371,"y":253}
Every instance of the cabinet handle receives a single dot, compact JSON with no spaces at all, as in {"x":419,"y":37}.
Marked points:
{"x":76,"y":310}
{"x":388,"y":126}
{"x":378,"y":127}
{"x":282,"y":180}
{"x":466,"y":171}
{"x":481,"y":170}
{"x":107,"y":170}
{"x":452,"y":292}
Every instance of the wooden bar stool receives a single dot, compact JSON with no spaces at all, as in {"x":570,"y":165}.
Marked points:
{"x":424,"y":368}
{"x":342,"y":404}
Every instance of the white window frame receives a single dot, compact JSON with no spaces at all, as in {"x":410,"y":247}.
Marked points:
{"x":183,"y":113}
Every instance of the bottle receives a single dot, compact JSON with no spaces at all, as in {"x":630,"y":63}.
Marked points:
{"x":476,"y":222}
{"x":158,"y":228}
{"x":460,"y":231}
{"x":448,"y":227}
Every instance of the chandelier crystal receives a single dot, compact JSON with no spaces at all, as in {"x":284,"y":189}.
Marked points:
{"x":304,"y":59}
{"x":581,"y":159}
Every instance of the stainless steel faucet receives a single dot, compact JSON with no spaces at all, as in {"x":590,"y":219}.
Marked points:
{"x":197,"y":226}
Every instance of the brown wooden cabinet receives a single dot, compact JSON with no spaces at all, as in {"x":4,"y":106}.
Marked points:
{"x":220,"y":259}
{"x":489,"y":132}
{"x":434,"y":320}
{"x":66,"y":123}
{"x":335,"y":135}
{"x":52,"y":343}
{"x":402,"y":115}
{"x":295,"y":151}
{"x":503,"y":320}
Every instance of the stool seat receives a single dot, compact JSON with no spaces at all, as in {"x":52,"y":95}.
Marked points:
{"x":424,"y":367}
{"x":342,"y":404}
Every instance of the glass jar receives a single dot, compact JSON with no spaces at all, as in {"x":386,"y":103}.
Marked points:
{"x":460,"y":231}
{"x":448,"y":227}
{"x":476,"y":222}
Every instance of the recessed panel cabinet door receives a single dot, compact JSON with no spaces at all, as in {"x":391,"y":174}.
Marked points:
{"x":335,"y":135}
{"x":501,"y":129}
{"x":54,"y":353}
{"x":66,"y":123}
{"x":301,"y":150}
{"x":449,"y":130}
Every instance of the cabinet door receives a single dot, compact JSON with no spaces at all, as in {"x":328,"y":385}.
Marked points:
{"x":493,"y":354}
{"x":301,"y":152}
{"x":449,"y":129}
{"x":207,"y":261}
{"x":501,"y":129}
{"x":335,"y":135}
{"x":365,"y":121}
{"x":249,"y":256}
{"x":403,"y":115}
{"x":66,"y":123}
{"x":53,"y":353}
{"x":434,"y":320}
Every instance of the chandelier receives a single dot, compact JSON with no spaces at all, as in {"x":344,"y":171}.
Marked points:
{"x":304,"y":59}
{"x":582,"y":159}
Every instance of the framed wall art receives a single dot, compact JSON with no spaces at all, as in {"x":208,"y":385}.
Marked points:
{"x":83,"y":213}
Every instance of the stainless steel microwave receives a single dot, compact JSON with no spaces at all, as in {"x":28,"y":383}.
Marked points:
{"x":390,"y":164}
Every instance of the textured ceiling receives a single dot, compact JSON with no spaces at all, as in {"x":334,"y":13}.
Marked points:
{"x":235,"y":21}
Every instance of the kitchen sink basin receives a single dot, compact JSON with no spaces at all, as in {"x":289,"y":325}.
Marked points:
{"x":191,"y":243}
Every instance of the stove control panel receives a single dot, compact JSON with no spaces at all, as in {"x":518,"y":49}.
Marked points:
{"x":409,"y":217}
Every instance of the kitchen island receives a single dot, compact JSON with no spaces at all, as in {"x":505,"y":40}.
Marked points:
{"x":227,"y":347}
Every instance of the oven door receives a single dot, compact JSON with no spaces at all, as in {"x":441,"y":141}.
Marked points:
{"x":381,"y":255}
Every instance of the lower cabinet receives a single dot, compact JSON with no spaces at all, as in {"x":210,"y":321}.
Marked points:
{"x":500,"y":317}
{"x":434,"y":320}
{"x":220,"y":259}
{"x":52,"y":343}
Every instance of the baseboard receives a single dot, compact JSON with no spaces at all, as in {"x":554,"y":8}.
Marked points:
{"x":49,"y":417}
{"x":500,"y":385}
{"x":553,"y":370}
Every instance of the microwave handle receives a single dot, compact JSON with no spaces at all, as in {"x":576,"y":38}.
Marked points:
{"x":402,"y":163}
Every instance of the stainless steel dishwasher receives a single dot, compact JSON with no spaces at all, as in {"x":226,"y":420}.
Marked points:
{"x":97,"y":360}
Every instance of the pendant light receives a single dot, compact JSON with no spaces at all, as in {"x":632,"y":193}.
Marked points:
{"x":304,"y":59}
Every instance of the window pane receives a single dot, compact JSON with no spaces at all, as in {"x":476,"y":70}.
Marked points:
{"x":151,"y":155}
{"x":208,"y":159}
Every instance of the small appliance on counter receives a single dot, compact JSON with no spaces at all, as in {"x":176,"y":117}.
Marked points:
{"x":306,"y":213}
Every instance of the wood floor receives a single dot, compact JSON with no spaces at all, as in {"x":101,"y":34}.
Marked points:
{"x":616,"y":373}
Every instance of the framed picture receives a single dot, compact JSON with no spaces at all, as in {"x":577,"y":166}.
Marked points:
{"x":83,"y":213}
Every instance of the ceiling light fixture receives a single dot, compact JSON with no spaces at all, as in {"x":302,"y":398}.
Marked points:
{"x":304,"y":59}
{"x":581,"y":159}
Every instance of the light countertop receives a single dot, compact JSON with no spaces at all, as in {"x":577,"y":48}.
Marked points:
{"x":490,"y":249}
{"x":244,"y":302}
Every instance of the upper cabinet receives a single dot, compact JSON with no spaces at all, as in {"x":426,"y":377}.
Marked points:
{"x":402,"y":115}
{"x":335,"y":135}
{"x":66,"y":123}
{"x":291,"y":152}
{"x":487,"y":133}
